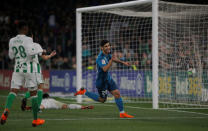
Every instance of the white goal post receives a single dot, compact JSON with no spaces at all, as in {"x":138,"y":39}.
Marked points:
{"x":162,"y":40}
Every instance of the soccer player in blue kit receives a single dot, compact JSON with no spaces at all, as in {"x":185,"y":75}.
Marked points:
{"x":104,"y":81}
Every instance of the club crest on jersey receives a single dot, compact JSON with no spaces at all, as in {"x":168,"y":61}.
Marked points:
{"x":103,"y":61}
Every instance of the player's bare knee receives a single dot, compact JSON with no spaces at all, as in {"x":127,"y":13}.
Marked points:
{"x":117,"y":95}
{"x":40,"y":86}
{"x":14,"y":90}
{"x":33,"y":93}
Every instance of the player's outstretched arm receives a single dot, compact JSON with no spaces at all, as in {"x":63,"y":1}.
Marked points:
{"x":115,"y":59}
{"x":46,"y":57}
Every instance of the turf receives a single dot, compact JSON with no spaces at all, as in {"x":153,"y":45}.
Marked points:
{"x":105,"y":117}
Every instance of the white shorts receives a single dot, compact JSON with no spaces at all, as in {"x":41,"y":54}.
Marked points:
{"x":39,"y":77}
{"x":28,"y":80}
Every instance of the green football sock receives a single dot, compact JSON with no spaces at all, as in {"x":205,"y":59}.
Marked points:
{"x":40,"y":97}
{"x":35,"y":107}
{"x":10,"y":100}
{"x":27,"y":94}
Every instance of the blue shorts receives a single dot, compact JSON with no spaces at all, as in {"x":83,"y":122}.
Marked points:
{"x":105,"y":86}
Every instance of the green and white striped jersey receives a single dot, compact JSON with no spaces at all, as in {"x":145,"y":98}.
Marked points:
{"x":22,"y":49}
{"x":35,"y":65}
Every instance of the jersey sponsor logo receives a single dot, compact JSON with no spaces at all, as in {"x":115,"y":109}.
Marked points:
{"x":103,"y":61}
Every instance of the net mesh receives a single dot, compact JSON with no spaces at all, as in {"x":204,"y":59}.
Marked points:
{"x":183,"y":54}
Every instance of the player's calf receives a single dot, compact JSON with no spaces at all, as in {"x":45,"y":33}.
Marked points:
{"x":24,"y":103}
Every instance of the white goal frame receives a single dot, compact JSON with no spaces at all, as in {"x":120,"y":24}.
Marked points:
{"x":79,"y":12}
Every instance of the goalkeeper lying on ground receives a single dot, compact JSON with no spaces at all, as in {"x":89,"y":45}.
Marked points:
{"x":50,"y":103}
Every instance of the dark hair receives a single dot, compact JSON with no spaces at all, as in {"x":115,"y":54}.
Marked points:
{"x":22,"y":24}
{"x":103,"y":42}
{"x":45,"y":95}
{"x":30,"y":33}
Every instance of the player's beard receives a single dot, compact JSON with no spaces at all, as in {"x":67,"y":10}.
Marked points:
{"x":108,"y":51}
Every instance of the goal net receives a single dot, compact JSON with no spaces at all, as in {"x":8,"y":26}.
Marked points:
{"x":182,"y":55}
{"x":182,"y":51}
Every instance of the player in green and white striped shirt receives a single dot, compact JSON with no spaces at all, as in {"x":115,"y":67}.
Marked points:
{"x":35,"y":67}
{"x":22,"y":49}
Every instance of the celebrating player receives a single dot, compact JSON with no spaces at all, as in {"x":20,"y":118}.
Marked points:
{"x":104,"y":81}
{"x":22,"y":49}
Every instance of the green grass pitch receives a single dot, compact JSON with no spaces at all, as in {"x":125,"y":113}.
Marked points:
{"x":105,"y":117}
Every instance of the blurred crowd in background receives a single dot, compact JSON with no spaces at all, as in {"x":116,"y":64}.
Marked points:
{"x":53,"y":25}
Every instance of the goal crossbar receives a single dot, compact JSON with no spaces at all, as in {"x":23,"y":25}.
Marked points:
{"x":118,"y":5}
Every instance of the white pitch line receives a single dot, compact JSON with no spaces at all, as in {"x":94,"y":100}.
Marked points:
{"x":138,"y":118}
{"x":190,"y":112}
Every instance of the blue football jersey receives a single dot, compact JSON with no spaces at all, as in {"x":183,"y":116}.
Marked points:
{"x":101,"y":61}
